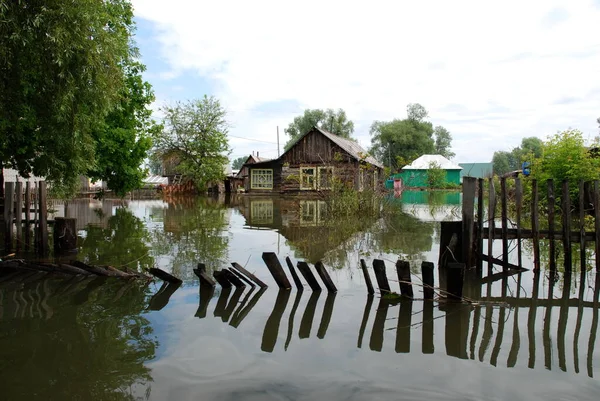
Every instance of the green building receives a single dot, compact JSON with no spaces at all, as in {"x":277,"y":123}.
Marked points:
{"x":415,"y":174}
{"x":477,"y":170}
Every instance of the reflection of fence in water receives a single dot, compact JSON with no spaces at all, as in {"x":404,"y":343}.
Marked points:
{"x":476,"y":330}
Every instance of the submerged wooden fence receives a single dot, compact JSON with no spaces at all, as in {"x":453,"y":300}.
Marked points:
{"x":560,"y":218}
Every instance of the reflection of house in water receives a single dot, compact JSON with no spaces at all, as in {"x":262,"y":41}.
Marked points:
{"x":432,"y":206}
{"x":303,"y":222}
{"x":87,"y":211}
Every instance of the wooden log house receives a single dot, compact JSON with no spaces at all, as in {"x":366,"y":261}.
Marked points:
{"x":312,"y":162}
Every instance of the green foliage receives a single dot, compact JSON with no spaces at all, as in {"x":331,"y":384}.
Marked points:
{"x":399,"y":142}
{"x":344,"y":200}
{"x":195,"y":137}
{"x":443,"y":141}
{"x":61,"y":72}
{"x":123,"y":140}
{"x":505,"y":162}
{"x":335,"y":122}
{"x":565,"y":157}
{"x":237,"y":164}
{"x":436,"y":176}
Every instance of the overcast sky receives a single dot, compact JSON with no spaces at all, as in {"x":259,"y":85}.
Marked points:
{"x":490,"y":72}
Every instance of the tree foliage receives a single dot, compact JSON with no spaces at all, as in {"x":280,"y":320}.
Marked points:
{"x":237,"y":164}
{"x":505,"y":162}
{"x":124,"y":139}
{"x":443,"y":141}
{"x":436,"y":176}
{"x":194,"y":139}
{"x":61,"y":72}
{"x":330,"y":120}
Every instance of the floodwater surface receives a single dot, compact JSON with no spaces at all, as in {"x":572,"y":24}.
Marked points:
{"x":523,"y":337}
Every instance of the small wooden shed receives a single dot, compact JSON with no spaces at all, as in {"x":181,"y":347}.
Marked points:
{"x":415,"y":174}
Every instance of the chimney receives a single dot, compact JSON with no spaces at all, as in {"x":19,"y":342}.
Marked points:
{"x":257,"y":154}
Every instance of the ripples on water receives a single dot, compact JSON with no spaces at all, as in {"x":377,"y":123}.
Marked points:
{"x":520,"y":338}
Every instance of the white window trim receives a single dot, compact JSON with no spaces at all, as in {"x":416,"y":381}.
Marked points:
{"x":319,"y":169}
{"x":315,"y":177}
{"x":261,"y":170}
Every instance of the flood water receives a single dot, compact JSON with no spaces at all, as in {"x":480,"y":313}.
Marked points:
{"x":525,"y":337}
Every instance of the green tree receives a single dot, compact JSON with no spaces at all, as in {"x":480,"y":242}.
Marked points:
{"x":436,"y":176}
{"x":443,"y":141}
{"x":61,"y":72}
{"x":123,"y":140}
{"x":505,"y":162}
{"x":398,"y":142}
{"x":335,"y":122}
{"x":195,"y":137}
{"x":237,"y":164}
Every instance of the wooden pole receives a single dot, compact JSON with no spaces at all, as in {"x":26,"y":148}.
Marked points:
{"x":43,"y":227}
{"x":242,"y":277}
{"x":363,"y":266}
{"x":480,"y":182}
{"x":551,"y":202}
{"x":403,"y":271}
{"x":519,"y":201}
{"x":205,"y":279}
{"x":455,"y":280}
{"x":36,"y":228}
{"x":325,"y":277}
{"x":491,"y":218}
{"x":535,"y":225}
{"x":503,"y":201}
{"x":597,"y":222}
{"x":222,"y":280}
{"x":251,"y":276}
{"x":427,"y":345}
{"x":19,"y":212}
{"x":233,"y":279}
{"x":582,"y":255}
{"x":9,"y":188}
{"x":468,"y":210}
{"x":381,"y":276}
{"x":428,"y":284}
{"x":276,"y":270}
{"x":566,"y":224}
{"x":309,"y":276}
{"x":163,"y":275}
{"x":27,"y":211}
{"x":297,"y":281}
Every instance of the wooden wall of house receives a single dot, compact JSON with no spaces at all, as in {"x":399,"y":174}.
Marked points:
{"x":315,"y":148}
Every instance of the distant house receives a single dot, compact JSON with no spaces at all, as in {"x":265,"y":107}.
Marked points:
{"x":312,"y":162}
{"x":477,"y":170}
{"x":415,"y":174}
{"x":243,"y":175}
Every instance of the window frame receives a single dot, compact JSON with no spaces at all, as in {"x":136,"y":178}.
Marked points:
{"x":260,"y":171}
{"x":314,"y":175}
{"x":321,"y":168}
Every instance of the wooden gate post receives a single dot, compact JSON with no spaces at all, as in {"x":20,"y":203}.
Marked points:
{"x":468,"y":210}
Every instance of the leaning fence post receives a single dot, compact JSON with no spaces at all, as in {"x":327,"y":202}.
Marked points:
{"x":582,"y":225}
{"x":428,"y":284}
{"x":403,"y":271}
{"x":468,"y":211}
{"x":205,"y":279}
{"x":381,"y":276}
{"x":297,"y":281}
{"x":309,"y":276}
{"x":322,"y":272}
{"x":504,"y":223}
{"x":535,"y":225}
{"x":276,"y":270}
{"x":9,"y":188}
{"x":597,"y":222}
{"x":43,"y":227}
{"x":19,"y":211}
{"x":551,"y":203}
{"x":480,"y":182}
{"x":363,"y":266}
{"x":566,"y":224}
{"x":455,"y":280}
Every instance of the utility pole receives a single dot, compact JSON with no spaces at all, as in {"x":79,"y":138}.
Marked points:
{"x":278,"y":141}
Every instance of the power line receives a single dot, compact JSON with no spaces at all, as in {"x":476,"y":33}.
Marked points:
{"x":251,"y":139}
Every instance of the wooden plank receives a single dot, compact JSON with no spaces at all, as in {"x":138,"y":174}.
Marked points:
{"x":233,"y":279}
{"x":322,"y":271}
{"x":251,"y":276}
{"x":491,"y":215}
{"x":27,"y":214}
{"x":566,"y":225}
{"x":242,"y":277}
{"x":479,"y":249}
{"x":276,"y":270}
{"x":205,"y":279}
{"x":544,"y":234}
{"x":363,"y":267}
{"x":504,"y":217}
{"x":403,"y":271}
{"x":519,"y":206}
{"x":597,"y":222}
{"x":163,"y":275}
{"x":500,"y":263}
{"x":428,"y":279}
{"x":19,"y":212}
{"x":223,"y":281}
{"x":309,"y":276}
{"x":9,"y":190}
{"x":468,"y":211}
{"x":582,"y":255}
{"x":43,"y":224}
{"x":455,"y":280}
{"x":381,"y":276}
{"x":535,"y":224}
{"x":551,"y":203}
{"x":294,"y":274}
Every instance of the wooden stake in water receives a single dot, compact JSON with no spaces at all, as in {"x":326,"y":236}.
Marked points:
{"x":9,"y":190}
{"x":597,"y":222}
{"x":582,"y":225}
{"x":491,"y":217}
{"x":403,"y":271}
{"x":566,"y":224}
{"x":276,"y":270}
{"x":363,"y":266}
{"x":381,"y":276}
{"x":428,"y":284}
{"x":468,"y":211}
{"x":519,"y":200}
{"x":504,"y":224}
{"x":479,"y":224}
{"x":43,"y":248}
{"x":27,"y":211}
{"x":19,"y":212}
{"x":535,"y":225}
{"x":551,"y":203}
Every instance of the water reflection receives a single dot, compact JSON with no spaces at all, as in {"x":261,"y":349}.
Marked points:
{"x":488,"y":329}
{"x":82,"y":338}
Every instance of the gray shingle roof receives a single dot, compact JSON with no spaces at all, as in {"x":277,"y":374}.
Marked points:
{"x":353,"y":148}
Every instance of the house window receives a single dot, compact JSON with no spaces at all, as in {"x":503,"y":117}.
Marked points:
{"x":261,"y":179}
{"x":308,"y":212}
{"x":307,"y":178}
{"x":325,"y":177}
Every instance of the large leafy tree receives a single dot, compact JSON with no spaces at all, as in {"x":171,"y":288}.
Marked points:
{"x":330,"y":120}
{"x":504,"y":161}
{"x":194,"y":140}
{"x":61,"y":72}
{"x":124,"y":139}
{"x":237,"y":163}
{"x":443,"y":141}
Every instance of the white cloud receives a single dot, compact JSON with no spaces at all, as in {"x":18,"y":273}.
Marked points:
{"x":502,"y":62}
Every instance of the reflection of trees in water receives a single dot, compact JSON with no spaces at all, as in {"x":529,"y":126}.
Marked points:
{"x":124,"y":241}
{"x":194,"y":230}
{"x":69,"y":340}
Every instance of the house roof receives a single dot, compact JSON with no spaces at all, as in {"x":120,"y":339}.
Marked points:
{"x":351,"y":147}
{"x":423,"y":162}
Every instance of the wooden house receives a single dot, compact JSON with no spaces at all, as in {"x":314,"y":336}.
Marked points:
{"x":311,"y":164}
{"x":243,"y":176}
